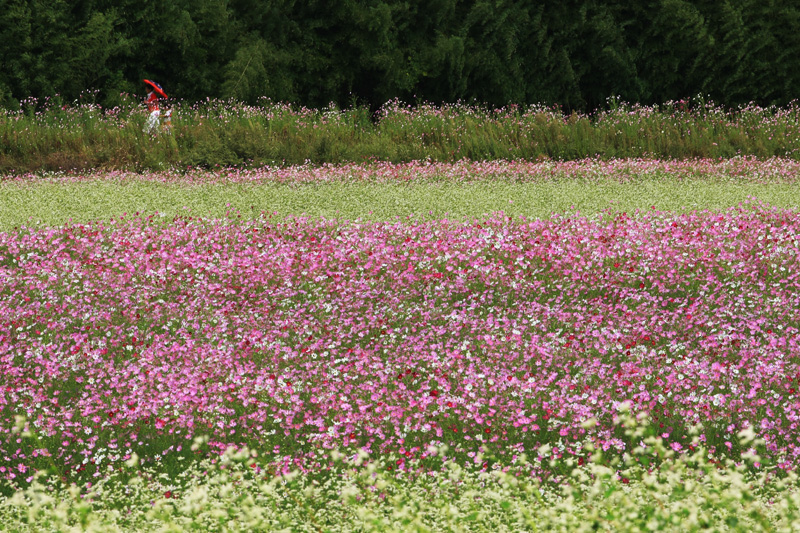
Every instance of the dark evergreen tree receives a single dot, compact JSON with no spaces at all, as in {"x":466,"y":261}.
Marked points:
{"x":605,"y":64}
{"x":549,"y":73}
{"x":674,"y":56}
{"x":771,"y":51}
{"x":15,"y":49}
{"x":729,"y":71}
{"x":495,"y":34}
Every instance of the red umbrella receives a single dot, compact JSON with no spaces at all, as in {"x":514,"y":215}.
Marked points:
{"x":156,"y":87}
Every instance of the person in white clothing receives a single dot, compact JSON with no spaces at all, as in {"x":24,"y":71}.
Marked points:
{"x":155,"y":94}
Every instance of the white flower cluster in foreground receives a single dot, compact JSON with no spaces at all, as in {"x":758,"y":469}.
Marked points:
{"x":685,"y":493}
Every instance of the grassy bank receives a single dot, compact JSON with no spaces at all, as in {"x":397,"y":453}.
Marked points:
{"x":213,"y":134}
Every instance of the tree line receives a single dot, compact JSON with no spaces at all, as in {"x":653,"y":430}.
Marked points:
{"x":571,"y":53}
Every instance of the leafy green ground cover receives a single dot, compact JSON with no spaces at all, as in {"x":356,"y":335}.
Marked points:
{"x":384,"y":192}
{"x":361,"y":493}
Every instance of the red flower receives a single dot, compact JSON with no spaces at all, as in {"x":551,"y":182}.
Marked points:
{"x":168,"y":494}
{"x":434,"y":393}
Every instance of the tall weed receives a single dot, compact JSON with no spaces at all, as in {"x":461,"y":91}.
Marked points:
{"x":226,"y":133}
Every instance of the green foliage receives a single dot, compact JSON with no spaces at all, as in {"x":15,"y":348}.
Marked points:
{"x":676,"y":52}
{"x":573,"y":53}
{"x":249,"y":77}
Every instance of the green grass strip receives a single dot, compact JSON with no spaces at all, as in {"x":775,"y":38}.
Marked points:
{"x":56,"y":203}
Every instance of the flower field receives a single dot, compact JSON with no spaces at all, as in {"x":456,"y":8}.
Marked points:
{"x":149,"y":345}
{"x":302,"y":335}
{"x":590,"y":170}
